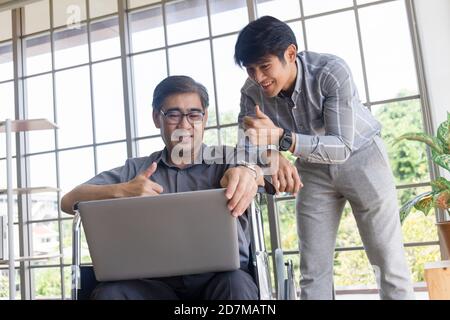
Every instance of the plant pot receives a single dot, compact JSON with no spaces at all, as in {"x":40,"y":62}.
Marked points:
{"x":444,"y":232}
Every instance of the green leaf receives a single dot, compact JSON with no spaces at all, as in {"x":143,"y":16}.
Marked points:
{"x":440,"y":184}
{"x":442,"y":200}
{"x":425,"y":204}
{"x":432,"y":142}
{"x":405,"y":210}
{"x":442,"y":160}
{"x":443,"y":134}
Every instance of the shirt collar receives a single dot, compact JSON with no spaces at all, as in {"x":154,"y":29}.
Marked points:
{"x":298,"y":81}
{"x":164,"y":158}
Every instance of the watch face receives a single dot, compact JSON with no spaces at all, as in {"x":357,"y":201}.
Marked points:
{"x":286,"y":142}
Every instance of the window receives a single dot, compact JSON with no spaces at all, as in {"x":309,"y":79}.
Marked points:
{"x":105,"y":42}
{"x":37,"y":54}
{"x":388,"y":50}
{"x":37,"y":17}
{"x":73,"y":105}
{"x":6,"y":64}
{"x":100,"y":8}
{"x":148,"y":69}
{"x":108,"y":101}
{"x":5,"y":25}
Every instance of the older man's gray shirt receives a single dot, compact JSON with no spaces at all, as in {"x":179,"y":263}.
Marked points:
{"x":324,"y":110}
{"x":201,"y":176}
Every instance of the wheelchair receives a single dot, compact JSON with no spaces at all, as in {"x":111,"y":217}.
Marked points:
{"x":84,"y":282}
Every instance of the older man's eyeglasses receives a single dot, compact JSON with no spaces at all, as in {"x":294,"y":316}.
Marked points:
{"x":175,"y":116}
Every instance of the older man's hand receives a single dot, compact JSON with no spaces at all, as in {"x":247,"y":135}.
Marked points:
{"x":141,"y":185}
{"x":241,"y":187}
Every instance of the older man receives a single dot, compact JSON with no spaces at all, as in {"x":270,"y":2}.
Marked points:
{"x":180,"y":111}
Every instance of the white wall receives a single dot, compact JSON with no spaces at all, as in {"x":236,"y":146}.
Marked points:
{"x":433,"y":23}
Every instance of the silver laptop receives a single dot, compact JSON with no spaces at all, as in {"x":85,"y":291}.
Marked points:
{"x":165,"y":235}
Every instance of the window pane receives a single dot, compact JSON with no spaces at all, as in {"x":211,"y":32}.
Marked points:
{"x":6,"y":62}
{"x":298,"y":32}
{"x":198,"y":67}
{"x":37,"y":54}
{"x":229,"y":135}
{"x":4,"y":287}
{"x":105,"y":42}
{"x":348,"y":234}
{"x":76,"y":167}
{"x":74,"y":107}
{"x":102,"y":7}
{"x":5,"y":25}
{"x":3,"y":174}
{"x":211,"y":137}
{"x":47,"y":283}
{"x":45,"y":240}
{"x":108,"y":101}
{"x":39,"y":100}
{"x":313,"y":6}
{"x":365,"y":1}
{"x":37,"y":17}
{"x":229,"y":79}
{"x":40,"y":177}
{"x":7,"y":99}
{"x":228,"y":16}
{"x":7,"y":112}
{"x":139,"y":3}
{"x":280,"y":9}
{"x":67,"y":244}
{"x":288,"y":230}
{"x":148,"y":146}
{"x":388,"y":50}
{"x":71,"y":47}
{"x":417,"y":257}
{"x":353,"y":270}
{"x":111,"y":156}
{"x":417,"y":227}
{"x":148,"y":70}
{"x":336,"y":34}
{"x":146,"y":28}
{"x":44,"y":206}
{"x":68,"y":12}
{"x":408,"y":159}
{"x":67,"y":282}
{"x":186,"y":20}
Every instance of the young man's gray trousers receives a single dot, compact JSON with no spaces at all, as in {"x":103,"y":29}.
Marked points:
{"x":366,"y":181}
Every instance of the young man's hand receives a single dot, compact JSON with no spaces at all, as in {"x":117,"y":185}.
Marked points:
{"x":285,"y":177}
{"x":141,"y":185}
{"x":241,"y":187}
{"x":261,"y":130}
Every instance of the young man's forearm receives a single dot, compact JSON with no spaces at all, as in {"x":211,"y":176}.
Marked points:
{"x":86,"y":192}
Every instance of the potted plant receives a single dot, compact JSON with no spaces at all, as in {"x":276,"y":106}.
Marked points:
{"x":439,"y":196}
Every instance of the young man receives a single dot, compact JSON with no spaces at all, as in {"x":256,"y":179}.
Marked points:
{"x":307,"y":103}
{"x":180,"y":112}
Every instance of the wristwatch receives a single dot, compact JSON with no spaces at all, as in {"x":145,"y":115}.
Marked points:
{"x":285,"y":140}
{"x":250,"y":166}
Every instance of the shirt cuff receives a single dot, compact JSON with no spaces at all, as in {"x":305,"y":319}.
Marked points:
{"x":303,"y":146}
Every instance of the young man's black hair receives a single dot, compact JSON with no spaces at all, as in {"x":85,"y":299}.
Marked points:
{"x":266,"y":35}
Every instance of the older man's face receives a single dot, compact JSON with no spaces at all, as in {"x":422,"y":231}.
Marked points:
{"x":182,"y":121}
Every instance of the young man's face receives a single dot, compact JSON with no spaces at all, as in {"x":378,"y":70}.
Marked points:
{"x":186,"y":132}
{"x":274,"y":75}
